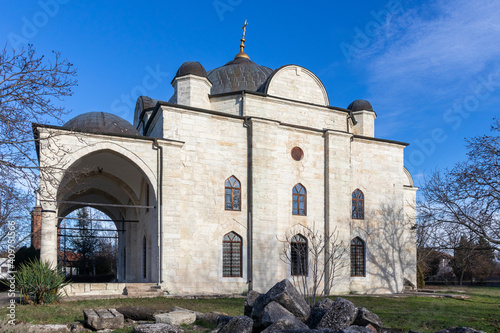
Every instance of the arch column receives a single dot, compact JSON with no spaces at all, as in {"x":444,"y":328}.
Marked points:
{"x":48,"y":246}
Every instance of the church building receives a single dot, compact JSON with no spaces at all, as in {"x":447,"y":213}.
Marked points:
{"x":205,"y":185}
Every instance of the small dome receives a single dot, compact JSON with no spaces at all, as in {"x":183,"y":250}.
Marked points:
{"x":359,"y":105}
{"x":238,"y":74}
{"x":101,"y":122}
{"x":191,"y":67}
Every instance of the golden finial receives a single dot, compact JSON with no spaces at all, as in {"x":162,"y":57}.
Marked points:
{"x":242,"y":53}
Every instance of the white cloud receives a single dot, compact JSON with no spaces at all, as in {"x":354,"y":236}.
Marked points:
{"x":432,"y":58}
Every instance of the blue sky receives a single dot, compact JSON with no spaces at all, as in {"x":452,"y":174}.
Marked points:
{"x":430,"y":69}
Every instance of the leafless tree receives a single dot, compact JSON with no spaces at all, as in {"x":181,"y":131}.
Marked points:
{"x":316,"y":262}
{"x":31,"y":87}
{"x":467,"y":197}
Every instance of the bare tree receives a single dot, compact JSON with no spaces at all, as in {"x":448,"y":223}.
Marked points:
{"x":30,"y":87}
{"x":467,"y":197}
{"x":314,"y":259}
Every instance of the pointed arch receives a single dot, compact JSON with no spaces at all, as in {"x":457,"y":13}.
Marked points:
{"x":358,"y":260}
{"x":358,"y":205}
{"x":299,"y":200}
{"x":232,"y":249}
{"x":232,"y":193}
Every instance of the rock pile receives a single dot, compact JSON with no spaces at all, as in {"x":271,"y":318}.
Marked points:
{"x":282,"y":309}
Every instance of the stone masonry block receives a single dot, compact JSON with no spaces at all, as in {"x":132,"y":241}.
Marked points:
{"x":101,"y":319}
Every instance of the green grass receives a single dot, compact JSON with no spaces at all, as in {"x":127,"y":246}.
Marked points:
{"x":425,"y":314}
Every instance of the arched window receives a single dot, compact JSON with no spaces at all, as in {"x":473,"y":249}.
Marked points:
{"x":299,"y":200}
{"x":357,"y":257}
{"x":358,"y":200}
{"x":299,"y":251}
{"x":233,"y":193}
{"x":144,"y":257}
{"x":231,"y":255}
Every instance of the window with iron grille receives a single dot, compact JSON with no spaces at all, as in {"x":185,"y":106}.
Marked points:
{"x":144,"y":257}
{"x":357,"y":257}
{"x":299,"y":252}
{"x":233,"y":194}
{"x":231,"y":255}
{"x":358,"y":205}
{"x":299,"y":200}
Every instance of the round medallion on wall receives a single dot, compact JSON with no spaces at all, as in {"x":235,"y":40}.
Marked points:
{"x":297,"y":153}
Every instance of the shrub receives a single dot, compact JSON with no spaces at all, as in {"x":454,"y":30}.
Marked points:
{"x":39,"y":283}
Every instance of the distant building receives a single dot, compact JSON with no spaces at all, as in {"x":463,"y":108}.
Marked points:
{"x":205,"y":184}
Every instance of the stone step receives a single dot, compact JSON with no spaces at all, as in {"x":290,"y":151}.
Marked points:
{"x":143,"y":290}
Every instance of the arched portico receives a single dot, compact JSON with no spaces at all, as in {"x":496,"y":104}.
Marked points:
{"x":113,"y":183}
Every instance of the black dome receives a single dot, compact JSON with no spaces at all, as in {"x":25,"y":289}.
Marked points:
{"x":238,"y":74}
{"x":360,"y":104}
{"x":191,"y":67}
{"x":101,"y":122}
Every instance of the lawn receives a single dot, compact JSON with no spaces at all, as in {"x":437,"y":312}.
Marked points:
{"x":425,"y":314}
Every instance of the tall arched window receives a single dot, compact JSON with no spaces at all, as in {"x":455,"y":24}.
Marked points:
{"x":231,"y":255}
{"x":299,"y":252}
{"x":299,"y":200}
{"x":357,"y":257}
{"x":233,"y":194}
{"x":144,"y":257}
{"x":358,"y":199}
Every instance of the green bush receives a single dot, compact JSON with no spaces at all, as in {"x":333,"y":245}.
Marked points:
{"x":39,"y":283}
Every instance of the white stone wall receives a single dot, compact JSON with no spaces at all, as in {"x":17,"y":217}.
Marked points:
{"x":194,"y":217}
{"x":192,"y":90}
{"x":299,"y":84}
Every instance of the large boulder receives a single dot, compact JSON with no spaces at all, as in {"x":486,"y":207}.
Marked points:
{"x":176,"y":318}
{"x":285,"y":294}
{"x":286,"y":324}
{"x":102,"y":319}
{"x":274,"y":312}
{"x":138,"y":312}
{"x":318,"y":311}
{"x":240,"y":324}
{"x":341,"y":315}
{"x":366,"y":318}
{"x":249,"y":302}
{"x":157,"y":328}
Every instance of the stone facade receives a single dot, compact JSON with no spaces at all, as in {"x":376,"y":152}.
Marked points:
{"x":170,"y":178}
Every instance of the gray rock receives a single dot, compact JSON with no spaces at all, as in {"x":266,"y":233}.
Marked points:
{"x":285,"y":294}
{"x":157,"y":328}
{"x":249,"y":301}
{"x":49,"y":329}
{"x":138,"y":312}
{"x":318,"y":311}
{"x":355,"y":329}
{"x":258,"y":307}
{"x":459,"y":330}
{"x":77,"y":327}
{"x":102,"y":319}
{"x":341,"y":315}
{"x":240,"y":324}
{"x":274,"y":312}
{"x":366,"y":317}
{"x":390,"y":330}
{"x":285,"y":324}
{"x":223,"y":320}
{"x":176,"y":318}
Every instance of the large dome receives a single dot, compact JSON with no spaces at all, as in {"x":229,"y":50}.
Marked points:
{"x":101,"y":122}
{"x":238,"y":74}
